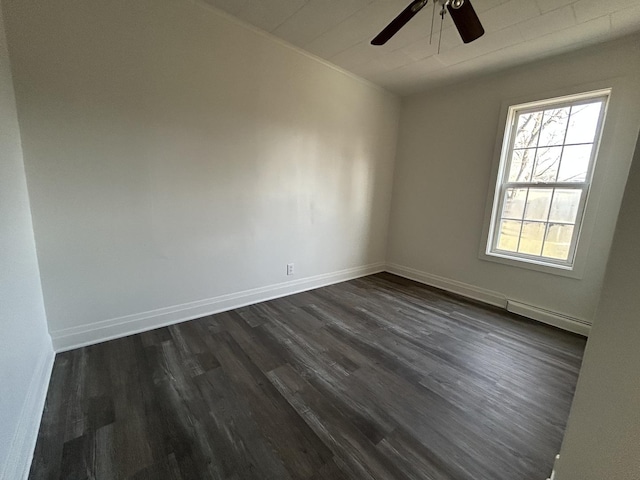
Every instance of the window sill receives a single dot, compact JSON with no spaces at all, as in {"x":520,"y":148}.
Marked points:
{"x":530,"y":264}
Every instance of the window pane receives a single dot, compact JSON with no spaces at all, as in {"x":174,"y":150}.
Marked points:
{"x":514,"y":199}
{"x":521,"y":165}
{"x":583,"y":123}
{"x":565,"y":205}
{"x":547,"y":163}
{"x":575,"y":163}
{"x":508,"y":236}
{"x":558,"y":241}
{"x":554,"y":126}
{"x":527,"y":130}
{"x":531,"y":238}
{"x":538,"y":203}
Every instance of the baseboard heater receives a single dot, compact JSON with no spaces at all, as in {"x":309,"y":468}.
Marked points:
{"x":559,"y":320}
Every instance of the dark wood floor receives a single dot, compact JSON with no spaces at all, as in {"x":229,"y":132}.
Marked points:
{"x":376,"y":378}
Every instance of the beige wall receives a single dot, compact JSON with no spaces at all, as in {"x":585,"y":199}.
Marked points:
{"x":175,"y":156}
{"x":25,"y":347}
{"x":446,"y":163}
{"x":602,"y":440}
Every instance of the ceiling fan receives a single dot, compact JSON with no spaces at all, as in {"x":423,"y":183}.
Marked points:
{"x":462,"y":13}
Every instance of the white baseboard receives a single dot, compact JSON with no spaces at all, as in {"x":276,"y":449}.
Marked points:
{"x":453,"y":286}
{"x":559,"y":320}
{"x":24,"y":440}
{"x":555,"y":319}
{"x":89,"y":334}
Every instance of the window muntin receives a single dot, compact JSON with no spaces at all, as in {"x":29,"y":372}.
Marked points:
{"x":547,"y":161}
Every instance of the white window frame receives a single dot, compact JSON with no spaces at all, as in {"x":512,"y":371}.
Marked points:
{"x":502,"y":183}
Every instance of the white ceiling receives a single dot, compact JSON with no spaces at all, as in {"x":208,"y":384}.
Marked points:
{"x":517,"y":31}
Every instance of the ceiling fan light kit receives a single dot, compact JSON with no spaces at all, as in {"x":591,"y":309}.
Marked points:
{"x":462,"y":13}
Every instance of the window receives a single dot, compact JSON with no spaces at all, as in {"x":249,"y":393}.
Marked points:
{"x":547,"y":161}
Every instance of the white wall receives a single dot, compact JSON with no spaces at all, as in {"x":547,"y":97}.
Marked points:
{"x":25,"y":347}
{"x":175,"y":156}
{"x":603,"y":432}
{"x":446,"y":152}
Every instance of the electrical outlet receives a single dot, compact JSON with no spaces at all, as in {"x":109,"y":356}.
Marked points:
{"x":289,"y":268}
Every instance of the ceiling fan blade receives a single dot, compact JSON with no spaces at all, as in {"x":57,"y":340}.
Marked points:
{"x":399,"y":22}
{"x":466,"y":20}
